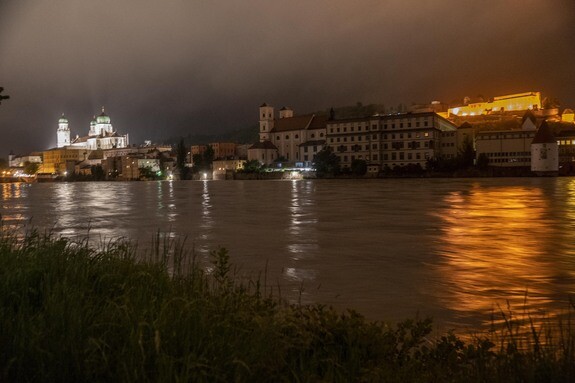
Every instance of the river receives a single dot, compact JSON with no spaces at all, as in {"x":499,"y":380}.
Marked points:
{"x":457,"y":250}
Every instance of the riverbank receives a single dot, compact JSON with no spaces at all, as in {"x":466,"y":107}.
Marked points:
{"x":70,"y":312}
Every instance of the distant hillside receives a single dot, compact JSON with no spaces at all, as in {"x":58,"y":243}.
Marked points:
{"x":250,"y":135}
{"x":247,"y":135}
{"x":359,"y":110}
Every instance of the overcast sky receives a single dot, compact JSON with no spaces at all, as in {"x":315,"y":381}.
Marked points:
{"x":165,"y":68}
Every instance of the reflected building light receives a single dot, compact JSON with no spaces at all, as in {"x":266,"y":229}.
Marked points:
{"x":492,"y":249}
{"x":302,"y":243}
{"x":207,"y":221}
{"x":299,"y":275}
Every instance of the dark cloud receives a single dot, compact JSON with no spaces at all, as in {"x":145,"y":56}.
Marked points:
{"x":173,"y":67}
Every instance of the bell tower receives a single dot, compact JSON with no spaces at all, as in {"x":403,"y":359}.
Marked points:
{"x":63,"y":132}
{"x":266,"y":121}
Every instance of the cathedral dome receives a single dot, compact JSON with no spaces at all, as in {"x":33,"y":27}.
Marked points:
{"x":103,"y":118}
{"x":63,"y":119}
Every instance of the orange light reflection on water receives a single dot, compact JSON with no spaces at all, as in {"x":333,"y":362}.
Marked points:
{"x":13,"y":191}
{"x":493,"y":246}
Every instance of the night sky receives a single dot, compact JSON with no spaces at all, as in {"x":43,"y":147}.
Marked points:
{"x":165,"y":68}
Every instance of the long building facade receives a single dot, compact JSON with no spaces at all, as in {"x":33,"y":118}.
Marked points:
{"x":382,"y":141}
{"x":387,"y":141}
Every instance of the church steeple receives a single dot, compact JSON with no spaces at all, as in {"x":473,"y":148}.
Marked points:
{"x":63,"y":133}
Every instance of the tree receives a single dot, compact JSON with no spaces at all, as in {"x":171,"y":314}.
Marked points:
{"x":203,"y":162}
{"x":359,"y":167}
{"x":208,"y":157}
{"x":181,"y":155}
{"x":466,"y":154}
{"x":147,"y":173}
{"x":3,"y":97}
{"x":197,"y":160}
{"x":97,"y":173}
{"x":31,"y":167}
{"x":550,"y":103}
{"x":252,"y":166}
{"x":326,"y":162}
{"x":280,"y":159}
{"x":482,"y":161}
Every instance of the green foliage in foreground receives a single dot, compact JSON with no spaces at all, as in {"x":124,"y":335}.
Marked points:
{"x":70,"y":313}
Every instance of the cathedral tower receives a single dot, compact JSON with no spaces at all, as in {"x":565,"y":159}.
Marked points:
{"x":266,"y":121}
{"x":63,"y":132}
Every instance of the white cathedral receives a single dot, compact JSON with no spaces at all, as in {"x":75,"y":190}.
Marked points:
{"x":100,"y":136}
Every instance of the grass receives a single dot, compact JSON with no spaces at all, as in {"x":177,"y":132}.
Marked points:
{"x":73,"y":313}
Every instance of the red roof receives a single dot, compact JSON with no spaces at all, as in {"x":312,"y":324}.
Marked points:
{"x":305,"y":122}
{"x":544,"y":135}
{"x":292,"y":123}
{"x":529,"y":115}
{"x":263,"y":145}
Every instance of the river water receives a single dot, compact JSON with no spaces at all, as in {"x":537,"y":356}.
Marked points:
{"x":457,"y":250}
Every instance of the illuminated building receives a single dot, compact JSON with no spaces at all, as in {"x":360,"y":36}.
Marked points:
{"x":61,"y":160}
{"x":508,"y":148}
{"x":222,"y":150}
{"x":544,"y":151}
{"x":566,"y":142}
{"x":100,"y":136}
{"x":198,"y":149}
{"x":296,"y":139}
{"x":387,"y":141}
{"x":533,"y":147}
{"x":507,"y":103}
{"x":63,"y":132}
{"x":145,"y":156}
{"x":223,"y":168}
{"x":452,"y":141}
{"x":15,"y":161}
{"x":568,"y":116}
{"x":265,"y":152}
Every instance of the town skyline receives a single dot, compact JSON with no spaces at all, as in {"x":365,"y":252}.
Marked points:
{"x":182,"y":68}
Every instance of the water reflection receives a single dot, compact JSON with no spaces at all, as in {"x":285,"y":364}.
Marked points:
{"x":166,"y":203}
{"x":301,"y":232}
{"x":570,"y":201}
{"x":14,"y":192}
{"x":452,"y":249}
{"x":493,"y":249}
{"x":207,"y":221}
{"x":65,"y":209}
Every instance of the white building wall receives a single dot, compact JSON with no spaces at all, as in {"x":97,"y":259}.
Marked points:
{"x":545,"y":157}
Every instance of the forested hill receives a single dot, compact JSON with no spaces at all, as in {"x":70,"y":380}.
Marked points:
{"x":247,"y":135}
